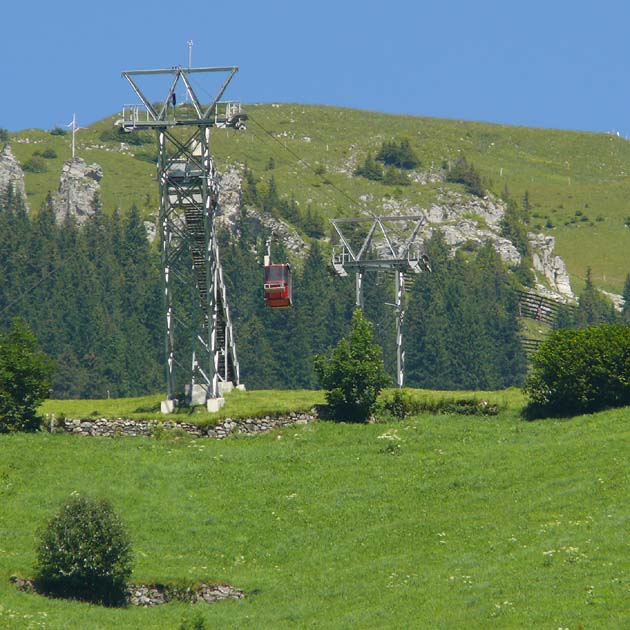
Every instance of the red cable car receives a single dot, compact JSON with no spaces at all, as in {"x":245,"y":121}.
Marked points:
{"x":278,"y":286}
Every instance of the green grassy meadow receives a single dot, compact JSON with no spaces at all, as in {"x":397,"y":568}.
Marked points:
{"x":577,"y":181}
{"x":436,"y":521}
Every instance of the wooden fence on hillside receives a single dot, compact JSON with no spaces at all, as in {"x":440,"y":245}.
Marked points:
{"x":539,"y":308}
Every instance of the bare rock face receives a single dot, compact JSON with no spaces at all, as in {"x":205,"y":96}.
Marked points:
{"x":79,"y":186}
{"x":11,"y":175}
{"x":230,"y":186}
{"x":551,"y":266}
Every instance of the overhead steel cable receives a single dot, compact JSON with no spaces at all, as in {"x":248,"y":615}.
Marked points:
{"x":343,"y":193}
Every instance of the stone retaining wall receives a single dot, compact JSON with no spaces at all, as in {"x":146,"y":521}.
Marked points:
{"x":107,"y":427}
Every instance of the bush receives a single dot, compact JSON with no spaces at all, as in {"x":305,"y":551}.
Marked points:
{"x":370,"y":169}
{"x":395,"y":177}
{"x":399,"y":403}
{"x":4,"y":135}
{"x":25,"y":375}
{"x":352,"y":373}
{"x":580,"y":371}
{"x":58,"y":131}
{"x":35,"y":165}
{"x":49,"y":154}
{"x":85,"y":553}
{"x":466,"y":174}
{"x":400,"y":155}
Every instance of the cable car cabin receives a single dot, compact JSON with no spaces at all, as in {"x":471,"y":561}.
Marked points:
{"x":278,"y":286}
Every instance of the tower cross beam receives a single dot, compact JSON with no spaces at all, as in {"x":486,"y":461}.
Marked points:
{"x":157,"y":117}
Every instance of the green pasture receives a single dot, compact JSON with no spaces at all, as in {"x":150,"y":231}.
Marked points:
{"x":436,"y":521}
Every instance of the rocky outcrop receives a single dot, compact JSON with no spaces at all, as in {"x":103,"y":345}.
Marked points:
{"x":230,"y":187}
{"x":79,"y":187}
{"x":469,"y":221}
{"x":552,"y":267}
{"x":11,"y":175}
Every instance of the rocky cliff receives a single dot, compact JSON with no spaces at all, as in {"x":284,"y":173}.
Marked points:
{"x":79,"y":189}
{"x":230,"y":188}
{"x":11,"y":175}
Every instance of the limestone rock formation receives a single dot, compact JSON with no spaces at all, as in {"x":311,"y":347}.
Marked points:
{"x":551,"y":266}
{"x":79,"y":187}
{"x":11,"y":175}
{"x":469,"y":221}
{"x":230,"y":187}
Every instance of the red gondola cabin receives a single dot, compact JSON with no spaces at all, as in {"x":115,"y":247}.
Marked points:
{"x":278,"y":286}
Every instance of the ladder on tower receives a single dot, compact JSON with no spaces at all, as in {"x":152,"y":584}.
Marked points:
{"x":186,"y":190}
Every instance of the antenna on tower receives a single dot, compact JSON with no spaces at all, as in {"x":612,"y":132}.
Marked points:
{"x":190,"y":45}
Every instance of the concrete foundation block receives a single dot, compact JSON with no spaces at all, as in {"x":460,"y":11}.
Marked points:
{"x":197,"y":395}
{"x":214,"y":404}
{"x":225,"y":387}
{"x":241,"y":387}
{"x":168,"y":406}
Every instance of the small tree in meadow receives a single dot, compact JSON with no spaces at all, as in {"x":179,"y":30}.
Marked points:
{"x":85,"y":553}
{"x":352,"y":373}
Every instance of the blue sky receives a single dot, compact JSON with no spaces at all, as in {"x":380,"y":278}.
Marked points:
{"x":545,"y":64}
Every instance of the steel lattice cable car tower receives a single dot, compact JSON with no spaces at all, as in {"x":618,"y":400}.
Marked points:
{"x":381,"y":249}
{"x":201,"y":357}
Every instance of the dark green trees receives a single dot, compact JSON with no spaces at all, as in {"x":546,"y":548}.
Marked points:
{"x":92,"y":295}
{"x":352,"y":373}
{"x":593,"y":308}
{"x":24,"y":379}
{"x":398,"y":154}
{"x":461,"y":324}
{"x":395,"y":158}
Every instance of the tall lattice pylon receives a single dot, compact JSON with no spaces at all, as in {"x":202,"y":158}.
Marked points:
{"x":201,"y":362}
{"x":381,"y":243}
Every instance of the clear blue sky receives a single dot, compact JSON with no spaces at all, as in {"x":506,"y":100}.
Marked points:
{"x":547,"y":64}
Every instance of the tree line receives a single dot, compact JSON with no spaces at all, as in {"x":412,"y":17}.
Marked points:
{"x":92,"y":294}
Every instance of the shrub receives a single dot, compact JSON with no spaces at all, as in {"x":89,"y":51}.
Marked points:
{"x":370,"y":169}
{"x":49,"y":154}
{"x":4,"y":135}
{"x":84,"y":553}
{"x":25,"y":374}
{"x":35,"y":165}
{"x":352,"y":373}
{"x":395,"y":177}
{"x":466,"y":174}
{"x":400,"y":155}
{"x":580,"y":371}
{"x":399,"y":404}
{"x":58,"y":131}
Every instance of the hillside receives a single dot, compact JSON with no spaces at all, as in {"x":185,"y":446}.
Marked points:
{"x":435,"y":521}
{"x":576,"y":181}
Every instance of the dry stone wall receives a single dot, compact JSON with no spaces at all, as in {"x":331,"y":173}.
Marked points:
{"x":107,"y":427}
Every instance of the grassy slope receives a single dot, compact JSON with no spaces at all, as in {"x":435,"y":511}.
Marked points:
{"x":565,"y":172}
{"x":477,"y":523}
